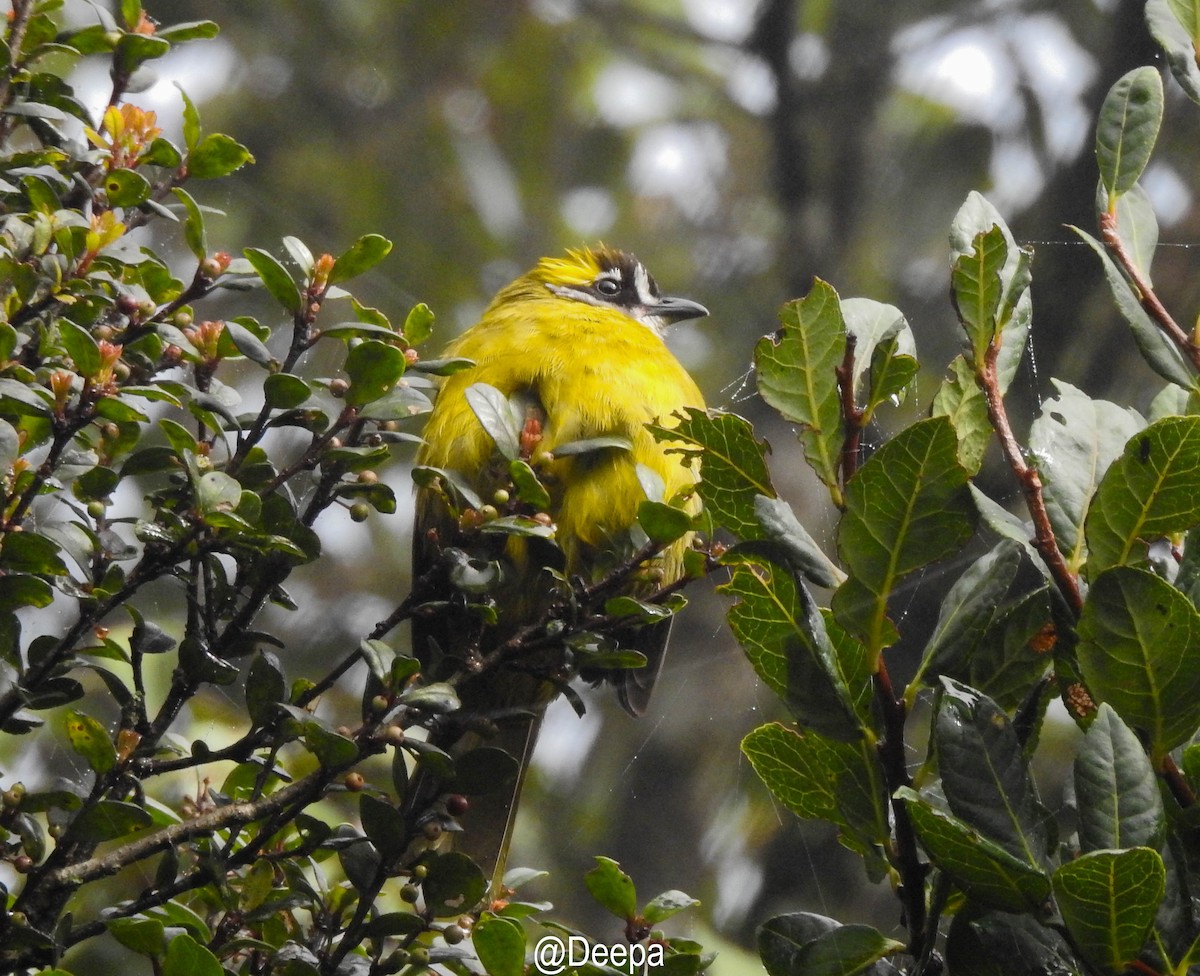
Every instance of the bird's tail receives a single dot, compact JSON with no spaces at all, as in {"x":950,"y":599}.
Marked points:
{"x":489,"y":819}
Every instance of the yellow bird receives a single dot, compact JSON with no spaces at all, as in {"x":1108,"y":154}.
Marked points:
{"x":576,"y":345}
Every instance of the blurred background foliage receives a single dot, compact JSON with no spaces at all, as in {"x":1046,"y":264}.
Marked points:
{"x":740,"y":147}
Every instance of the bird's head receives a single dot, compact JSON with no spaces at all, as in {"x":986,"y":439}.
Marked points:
{"x":607,"y":278}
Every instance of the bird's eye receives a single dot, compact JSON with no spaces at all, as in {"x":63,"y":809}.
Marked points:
{"x":608,"y":286}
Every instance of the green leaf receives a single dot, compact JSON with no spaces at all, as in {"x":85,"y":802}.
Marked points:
{"x":217,"y":155}
{"x":332,"y":750}
{"x":248,"y":344}
{"x":1152,"y":490}
{"x":193,"y":225}
{"x":976,"y":289}
{"x":373,"y":368}
{"x":906,"y":507}
{"x":968,"y":609}
{"x":529,"y":488}
{"x":126,"y":188}
{"x":187,"y":957}
{"x":453,"y":885}
{"x":1073,"y":441}
{"x":134,"y":50}
{"x":496,"y":415}
{"x":663,"y":906}
{"x":1014,"y":308}
{"x":820,"y":779}
{"x":418,"y":325}
{"x":218,"y":492}
{"x":91,"y":740}
{"x":612,"y":888}
{"x":1108,"y":900}
{"x":276,"y":278}
{"x":362,"y":255}
{"x":192,"y":30}
{"x":985,"y":776}
{"x":589,"y":445}
{"x":796,"y":369}
{"x":108,"y":820}
{"x":1128,"y":128}
{"x":10,"y":447}
{"x":81,"y":347}
{"x":284,"y":391}
{"x":1001,"y":944}
{"x":981,"y":867}
{"x":805,"y":944}
{"x":881,"y":334}
{"x":961,"y":400}
{"x":265,"y":686}
{"x":1137,"y":227}
{"x":1178,"y":44}
{"x":780,"y":525}
{"x":384,"y":825}
{"x":785,"y":638}
{"x":500,"y":944}
{"x":142,"y":935}
{"x":27,"y":552}
{"x":663,"y":523}
{"x":1139,"y":650}
{"x":1116,"y":790}
{"x":1159,"y":351}
{"x":733,"y":465}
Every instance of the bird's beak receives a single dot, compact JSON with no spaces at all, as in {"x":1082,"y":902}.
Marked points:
{"x":671,"y":309}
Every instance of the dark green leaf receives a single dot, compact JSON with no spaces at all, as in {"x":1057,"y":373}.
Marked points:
{"x":805,"y":944}
{"x":384,"y":825}
{"x":981,"y":867}
{"x":1139,"y":650}
{"x":780,"y":525}
{"x":1128,"y":128}
{"x":108,"y":820}
{"x":1156,"y":348}
{"x":1177,"y":43}
{"x":984,"y":773}
{"x":906,"y":507}
{"x":248,"y":344}
{"x":1116,"y":790}
{"x":126,"y":188}
{"x":453,"y":885}
{"x":276,"y":278}
{"x":133,"y":50}
{"x":27,"y":552}
{"x":265,"y":686}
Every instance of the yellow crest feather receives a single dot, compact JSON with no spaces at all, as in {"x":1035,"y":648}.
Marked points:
{"x":580,"y":266}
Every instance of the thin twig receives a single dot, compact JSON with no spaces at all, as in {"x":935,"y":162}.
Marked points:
{"x":1146,"y":294}
{"x":1030,"y":481}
